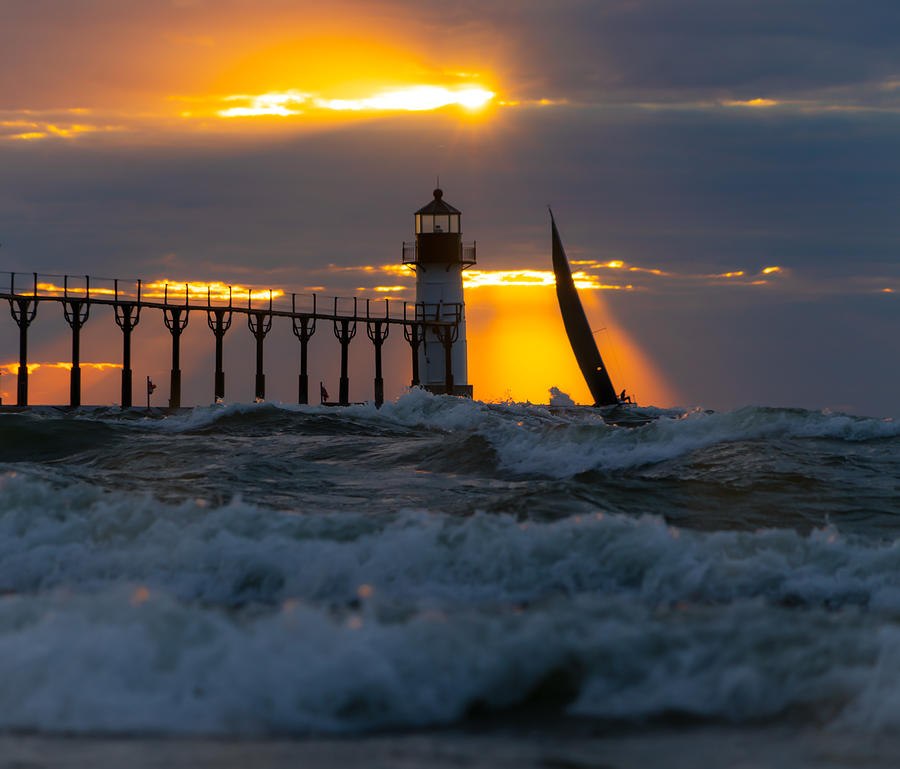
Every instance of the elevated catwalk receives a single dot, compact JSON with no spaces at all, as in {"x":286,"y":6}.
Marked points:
{"x":129,"y":298}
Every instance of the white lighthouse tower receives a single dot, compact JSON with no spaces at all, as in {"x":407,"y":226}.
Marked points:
{"x":439,"y":257}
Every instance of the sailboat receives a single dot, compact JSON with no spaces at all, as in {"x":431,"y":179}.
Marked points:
{"x":579,"y":332}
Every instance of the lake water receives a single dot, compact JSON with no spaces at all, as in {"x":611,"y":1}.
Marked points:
{"x":447,"y":582}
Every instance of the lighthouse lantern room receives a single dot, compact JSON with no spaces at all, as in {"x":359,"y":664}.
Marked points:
{"x":439,"y":256}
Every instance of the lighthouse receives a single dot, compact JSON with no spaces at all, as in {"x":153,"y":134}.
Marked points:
{"x":439,"y":257}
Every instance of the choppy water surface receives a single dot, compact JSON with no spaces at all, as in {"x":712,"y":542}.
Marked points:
{"x":263,"y":571}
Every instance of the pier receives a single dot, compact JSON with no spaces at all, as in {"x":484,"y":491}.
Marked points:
{"x":130,"y":299}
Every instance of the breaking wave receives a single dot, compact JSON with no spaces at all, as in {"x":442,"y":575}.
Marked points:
{"x":528,"y":439}
{"x":124,"y":614}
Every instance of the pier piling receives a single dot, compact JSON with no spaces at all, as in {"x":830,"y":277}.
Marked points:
{"x":413,"y":333}
{"x":447,"y":338}
{"x":127,"y":316}
{"x":304,"y":327}
{"x":76,"y":312}
{"x":377,"y":331}
{"x":219,"y":321}
{"x":344,"y":331}
{"x":23,"y":310}
{"x":176,"y":319}
{"x":260,"y":323}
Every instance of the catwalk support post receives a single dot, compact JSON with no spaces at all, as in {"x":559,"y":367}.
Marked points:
{"x":127,"y":316}
{"x":76,"y":312}
{"x":378,"y":331}
{"x":344,"y":331}
{"x":219,"y":321}
{"x":304,"y":327}
{"x":447,"y":336}
{"x":176,"y":319}
{"x":412,"y":332}
{"x":23,"y":309}
{"x":259,"y":323}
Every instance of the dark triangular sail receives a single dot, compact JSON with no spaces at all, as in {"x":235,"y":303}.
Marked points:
{"x":577,"y":328}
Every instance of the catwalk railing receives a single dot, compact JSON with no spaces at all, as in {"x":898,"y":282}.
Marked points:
{"x":220,"y":302}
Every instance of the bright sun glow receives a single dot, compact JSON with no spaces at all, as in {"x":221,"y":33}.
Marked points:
{"x":278,"y":104}
{"x":479,"y":278}
{"x":415,"y":98}
{"x":510,"y":326}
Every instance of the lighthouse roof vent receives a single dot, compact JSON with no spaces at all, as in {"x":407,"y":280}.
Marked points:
{"x":438,"y":206}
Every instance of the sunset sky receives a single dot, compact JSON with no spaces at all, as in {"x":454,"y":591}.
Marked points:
{"x":725,"y":175}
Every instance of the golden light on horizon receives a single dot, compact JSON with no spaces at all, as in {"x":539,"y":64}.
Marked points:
{"x":518,"y":348}
{"x":481,"y":278}
{"x":52,"y":288}
{"x":13,"y":368}
{"x":173,"y":290}
{"x":584,"y":279}
{"x":198,"y":291}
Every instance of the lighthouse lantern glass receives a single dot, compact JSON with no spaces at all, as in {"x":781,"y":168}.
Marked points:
{"x":428,"y":223}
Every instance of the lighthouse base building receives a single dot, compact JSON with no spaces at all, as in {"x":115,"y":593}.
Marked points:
{"x":439,"y":257}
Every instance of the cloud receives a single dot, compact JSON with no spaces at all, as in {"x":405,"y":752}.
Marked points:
{"x":133,"y":62}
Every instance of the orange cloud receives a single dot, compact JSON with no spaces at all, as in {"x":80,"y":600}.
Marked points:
{"x":749,"y":103}
{"x":13,"y":368}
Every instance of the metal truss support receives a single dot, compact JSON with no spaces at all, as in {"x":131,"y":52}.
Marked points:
{"x":378,"y":332}
{"x":23,"y":309}
{"x":260,"y":323}
{"x":414,"y":334}
{"x":176,"y":319}
{"x":304,"y":327}
{"x":76,"y":312}
{"x":219,"y":321}
{"x":447,"y":336}
{"x":344,"y":331}
{"x":127,"y":316}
